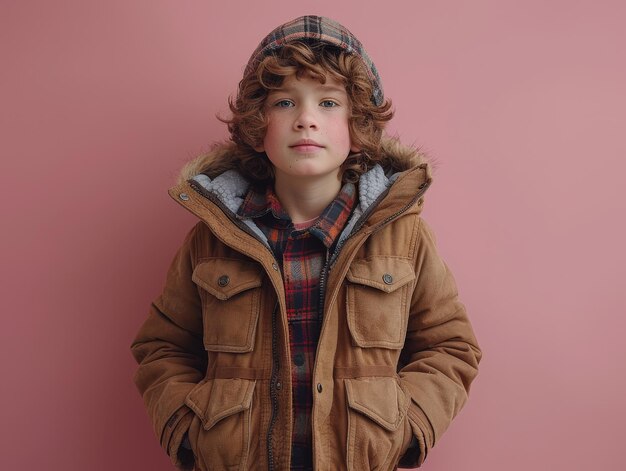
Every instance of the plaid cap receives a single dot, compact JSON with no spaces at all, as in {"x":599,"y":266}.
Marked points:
{"x":324,"y":30}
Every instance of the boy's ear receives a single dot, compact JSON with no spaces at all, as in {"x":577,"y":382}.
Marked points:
{"x":354,"y":148}
{"x":259,"y":148}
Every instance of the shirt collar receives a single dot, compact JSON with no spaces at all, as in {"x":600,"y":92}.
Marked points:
{"x":259,"y":203}
{"x":327,"y":227}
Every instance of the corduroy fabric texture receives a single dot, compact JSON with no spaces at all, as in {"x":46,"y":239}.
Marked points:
{"x":311,"y":28}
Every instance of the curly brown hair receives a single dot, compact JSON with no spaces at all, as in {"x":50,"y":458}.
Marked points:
{"x":248,"y":123}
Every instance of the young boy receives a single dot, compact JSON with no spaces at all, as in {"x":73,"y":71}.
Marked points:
{"x":307,"y":321}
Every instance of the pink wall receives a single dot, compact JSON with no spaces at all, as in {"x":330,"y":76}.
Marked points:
{"x":520,"y":102}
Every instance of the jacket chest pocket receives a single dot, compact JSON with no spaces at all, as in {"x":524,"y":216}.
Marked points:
{"x":378,"y":300}
{"x":230,"y":290}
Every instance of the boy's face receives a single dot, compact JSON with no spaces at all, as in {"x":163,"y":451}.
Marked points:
{"x":305,"y":109}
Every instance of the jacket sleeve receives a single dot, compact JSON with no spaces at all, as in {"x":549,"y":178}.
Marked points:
{"x":440,"y":357}
{"x":170,"y":353}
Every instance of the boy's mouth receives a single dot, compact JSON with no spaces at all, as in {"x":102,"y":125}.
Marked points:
{"x":306,"y":145}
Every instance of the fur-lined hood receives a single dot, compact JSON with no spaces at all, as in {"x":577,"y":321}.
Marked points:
{"x":228,"y":188}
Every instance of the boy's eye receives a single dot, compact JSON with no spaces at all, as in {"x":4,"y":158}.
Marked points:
{"x":283,"y":103}
{"x":328,"y":104}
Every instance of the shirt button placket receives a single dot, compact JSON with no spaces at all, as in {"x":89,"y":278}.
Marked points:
{"x":298,"y":359}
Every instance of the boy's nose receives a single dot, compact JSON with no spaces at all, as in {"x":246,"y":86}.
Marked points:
{"x":305,"y":119}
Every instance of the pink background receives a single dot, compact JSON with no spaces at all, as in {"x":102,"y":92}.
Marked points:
{"x":520,"y":103}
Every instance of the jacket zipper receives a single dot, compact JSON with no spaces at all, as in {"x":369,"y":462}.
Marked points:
{"x":275,"y":355}
{"x":320,"y":306}
{"x":273,"y":393}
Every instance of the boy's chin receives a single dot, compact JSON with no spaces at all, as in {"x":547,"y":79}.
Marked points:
{"x":303,"y":175}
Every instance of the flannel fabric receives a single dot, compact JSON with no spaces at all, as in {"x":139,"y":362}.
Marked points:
{"x":301,"y":255}
{"x":317,"y":29}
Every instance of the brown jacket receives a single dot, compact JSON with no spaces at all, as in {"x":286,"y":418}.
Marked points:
{"x":396,"y":353}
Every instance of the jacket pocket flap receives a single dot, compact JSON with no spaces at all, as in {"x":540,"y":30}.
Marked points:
{"x":224,"y":277}
{"x":380,"y":399}
{"x":216,"y":399}
{"x":384,"y":273}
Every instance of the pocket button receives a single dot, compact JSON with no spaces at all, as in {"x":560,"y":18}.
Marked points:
{"x":387,"y":278}
{"x":223,"y":280}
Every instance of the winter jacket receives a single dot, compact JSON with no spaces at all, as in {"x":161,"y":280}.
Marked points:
{"x":396,"y":352}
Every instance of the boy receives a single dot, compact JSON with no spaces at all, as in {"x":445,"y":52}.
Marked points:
{"x":307,"y":321}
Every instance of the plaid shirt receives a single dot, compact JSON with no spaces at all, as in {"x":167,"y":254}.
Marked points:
{"x":302,"y":255}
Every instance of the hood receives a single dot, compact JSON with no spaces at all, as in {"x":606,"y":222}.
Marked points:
{"x":211,"y":176}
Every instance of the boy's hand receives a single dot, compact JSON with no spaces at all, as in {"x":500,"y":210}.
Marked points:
{"x":185,"y":454}
{"x":185,"y":443}
{"x":411,"y":455}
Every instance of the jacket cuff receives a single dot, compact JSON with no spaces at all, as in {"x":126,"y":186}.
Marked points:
{"x":176,"y":427}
